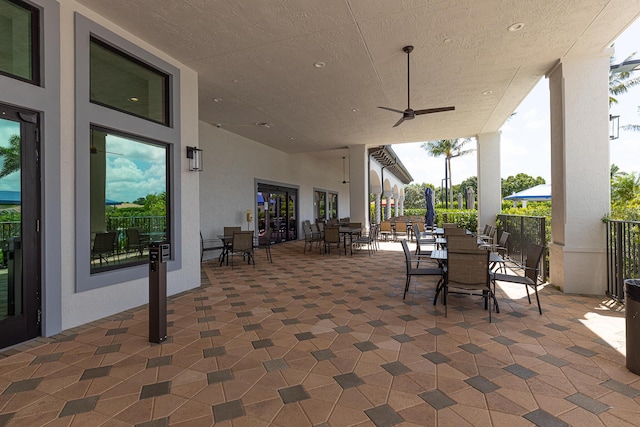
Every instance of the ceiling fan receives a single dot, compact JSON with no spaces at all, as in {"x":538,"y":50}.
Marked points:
{"x":409,"y":113}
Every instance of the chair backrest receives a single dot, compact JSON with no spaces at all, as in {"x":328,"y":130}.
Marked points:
{"x":450,"y":231}
{"x":306,"y":227}
{"x":504,"y":237}
{"x":228,"y":231}
{"x":468,"y":268}
{"x":133,"y":236}
{"x":242,"y":241}
{"x":265,"y":239}
{"x":416,"y":231}
{"x":104,"y":242}
{"x":331,"y":234}
{"x":385,"y":226}
{"x":461,"y":241}
{"x":355,"y":225}
{"x":532,"y":264}
{"x":320,"y":226}
{"x":332,"y":221}
{"x":407,"y":254}
{"x":420,"y":225}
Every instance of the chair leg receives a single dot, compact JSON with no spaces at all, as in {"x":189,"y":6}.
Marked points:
{"x":535,"y":288}
{"x":406,"y":286}
{"x":526,"y":287}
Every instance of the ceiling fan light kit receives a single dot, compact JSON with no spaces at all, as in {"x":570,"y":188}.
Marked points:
{"x":409,"y":113}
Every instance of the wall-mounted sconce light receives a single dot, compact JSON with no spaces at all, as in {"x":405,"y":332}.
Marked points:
{"x":249,"y":217}
{"x":614,"y":132}
{"x":194,"y":154}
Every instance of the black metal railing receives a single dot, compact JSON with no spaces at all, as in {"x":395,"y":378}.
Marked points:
{"x":525,"y":231}
{"x":623,"y":255}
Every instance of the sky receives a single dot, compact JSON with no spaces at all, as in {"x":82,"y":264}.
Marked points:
{"x":526,"y":142}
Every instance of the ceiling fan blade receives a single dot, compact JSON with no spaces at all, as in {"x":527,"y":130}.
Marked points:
{"x":434,"y":110}
{"x":392,"y":109}
{"x":399,"y":122}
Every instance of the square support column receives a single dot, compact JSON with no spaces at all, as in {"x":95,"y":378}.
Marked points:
{"x":489,"y":184}
{"x":359,"y":185}
{"x":580,"y":166}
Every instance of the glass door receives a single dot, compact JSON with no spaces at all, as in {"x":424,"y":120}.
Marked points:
{"x":19,"y":226}
{"x":277,"y":207}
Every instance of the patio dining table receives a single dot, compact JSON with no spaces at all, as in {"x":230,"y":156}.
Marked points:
{"x":344,"y":231}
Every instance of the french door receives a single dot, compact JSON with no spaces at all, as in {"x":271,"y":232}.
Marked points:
{"x":19,"y":226}
{"x":277,"y":211}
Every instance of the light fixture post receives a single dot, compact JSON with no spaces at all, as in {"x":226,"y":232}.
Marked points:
{"x":194,"y":154}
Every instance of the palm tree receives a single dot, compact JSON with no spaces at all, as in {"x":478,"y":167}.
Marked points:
{"x":449,"y":148}
{"x":621,"y":82}
{"x":10,"y":156}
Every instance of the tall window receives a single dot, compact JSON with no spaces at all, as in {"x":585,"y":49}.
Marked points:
{"x":19,"y":35}
{"x":127,"y":84}
{"x":128,"y":198}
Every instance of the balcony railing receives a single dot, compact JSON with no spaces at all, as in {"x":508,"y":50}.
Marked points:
{"x":623,"y":256}
{"x":524,"y":231}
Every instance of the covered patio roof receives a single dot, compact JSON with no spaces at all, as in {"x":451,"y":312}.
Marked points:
{"x":306,"y":76}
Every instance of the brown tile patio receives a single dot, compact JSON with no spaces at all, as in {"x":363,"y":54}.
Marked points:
{"x":328,"y":341}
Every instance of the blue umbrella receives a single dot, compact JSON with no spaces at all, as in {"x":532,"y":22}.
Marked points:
{"x":429,"y":217}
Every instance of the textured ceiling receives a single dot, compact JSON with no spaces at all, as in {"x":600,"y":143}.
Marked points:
{"x":257,"y":57}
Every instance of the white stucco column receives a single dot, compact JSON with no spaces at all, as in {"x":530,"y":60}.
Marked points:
{"x":359,"y":185}
{"x":489,"y":185}
{"x":401,"y":205}
{"x":378,"y":205}
{"x":579,"y":173}
{"x":387,"y":207}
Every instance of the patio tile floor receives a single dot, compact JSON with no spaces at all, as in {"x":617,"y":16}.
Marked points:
{"x":327,"y":340}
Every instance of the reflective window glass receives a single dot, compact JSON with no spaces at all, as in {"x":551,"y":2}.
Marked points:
{"x":126,"y":84}
{"x":128,"y":199}
{"x":19,"y":56}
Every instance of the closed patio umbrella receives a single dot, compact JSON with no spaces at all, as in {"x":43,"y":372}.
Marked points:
{"x":429,"y":217}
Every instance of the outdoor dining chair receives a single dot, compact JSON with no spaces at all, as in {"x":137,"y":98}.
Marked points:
{"x":414,"y":269}
{"x":331,"y":238}
{"x":242,"y":245}
{"x":385,"y":229}
{"x":467,"y":273}
{"x":264,"y":242}
{"x":104,"y":246}
{"x":531,"y":273}
{"x":421,"y":242}
{"x":134,"y":243}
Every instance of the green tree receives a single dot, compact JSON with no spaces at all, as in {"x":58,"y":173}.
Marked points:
{"x":10,"y":156}
{"x":624,"y":188}
{"x":156,"y":204}
{"x":448,"y":148}
{"x":414,"y":195}
{"x":620,"y":83}
{"x":519,"y":182}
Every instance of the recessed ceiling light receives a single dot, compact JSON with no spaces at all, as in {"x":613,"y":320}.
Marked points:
{"x":217,"y":99}
{"x":291,"y":138}
{"x":319,"y":64}
{"x":516,"y":27}
{"x":447,"y":40}
{"x":355,"y":110}
{"x":235,"y":81}
{"x":264,"y":125}
{"x":134,"y":99}
{"x":487,"y":92}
